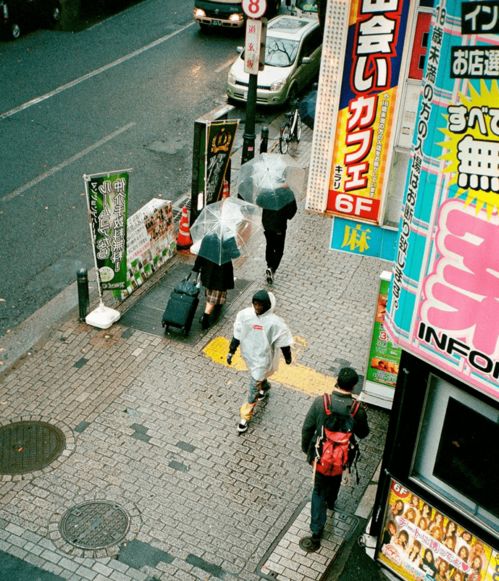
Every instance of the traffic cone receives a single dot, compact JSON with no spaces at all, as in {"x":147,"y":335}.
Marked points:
{"x":226,"y":190}
{"x":184,"y":240}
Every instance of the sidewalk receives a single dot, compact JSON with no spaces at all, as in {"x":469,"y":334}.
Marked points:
{"x":153,"y":481}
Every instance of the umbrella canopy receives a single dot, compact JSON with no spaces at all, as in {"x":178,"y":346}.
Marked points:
{"x":262,"y":181}
{"x":306,"y":108}
{"x":223,"y":229}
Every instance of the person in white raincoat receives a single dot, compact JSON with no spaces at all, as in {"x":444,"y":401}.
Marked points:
{"x":261,"y":334}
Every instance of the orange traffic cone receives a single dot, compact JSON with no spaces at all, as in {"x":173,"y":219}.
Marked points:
{"x":226,"y":190}
{"x":184,"y":240}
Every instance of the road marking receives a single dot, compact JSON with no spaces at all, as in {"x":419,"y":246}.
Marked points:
{"x":65,"y":163}
{"x":93,"y":73}
{"x":297,"y":376}
{"x":224,"y":65}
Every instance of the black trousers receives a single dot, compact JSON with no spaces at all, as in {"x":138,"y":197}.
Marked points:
{"x":275,"y":248}
{"x":324,"y":495}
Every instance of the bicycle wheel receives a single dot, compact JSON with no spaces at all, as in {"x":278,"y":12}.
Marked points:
{"x":284,"y":139}
{"x":298,"y":128}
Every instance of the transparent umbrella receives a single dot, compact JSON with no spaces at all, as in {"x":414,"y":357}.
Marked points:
{"x":262,"y":181}
{"x":223,"y":229}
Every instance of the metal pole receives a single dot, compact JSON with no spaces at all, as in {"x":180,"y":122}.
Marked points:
{"x":264,"y":143}
{"x":83,"y":294}
{"x":249,"y":127}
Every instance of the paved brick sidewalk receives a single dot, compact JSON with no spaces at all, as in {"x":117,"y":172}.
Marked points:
{"x":150,"y":425}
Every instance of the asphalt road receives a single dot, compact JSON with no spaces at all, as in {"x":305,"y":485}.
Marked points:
{"x":110,"y":92}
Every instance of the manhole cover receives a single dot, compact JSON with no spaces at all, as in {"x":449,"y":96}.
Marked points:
{"x":27,"y":446}
{"x":94,"y":525}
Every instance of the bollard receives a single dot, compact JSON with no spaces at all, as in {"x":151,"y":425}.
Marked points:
{"x":264,"y":143}
{"x":83,"y":295}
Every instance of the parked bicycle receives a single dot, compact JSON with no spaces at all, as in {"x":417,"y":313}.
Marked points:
{"x":291,"y":129}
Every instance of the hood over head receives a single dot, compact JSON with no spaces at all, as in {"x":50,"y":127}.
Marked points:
{"x":266,"y":298}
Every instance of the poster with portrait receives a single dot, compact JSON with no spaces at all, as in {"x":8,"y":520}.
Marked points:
{"x":420,"y":543}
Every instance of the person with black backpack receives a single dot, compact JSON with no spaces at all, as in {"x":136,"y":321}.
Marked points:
{"x":328,"y":439}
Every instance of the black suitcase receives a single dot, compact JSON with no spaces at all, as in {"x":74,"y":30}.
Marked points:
{"x":181,"y":306}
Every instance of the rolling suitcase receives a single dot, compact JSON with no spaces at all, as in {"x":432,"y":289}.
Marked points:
{"x":181,"y":306}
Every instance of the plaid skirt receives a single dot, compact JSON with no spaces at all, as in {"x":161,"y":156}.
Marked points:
{"x":215,"y":297}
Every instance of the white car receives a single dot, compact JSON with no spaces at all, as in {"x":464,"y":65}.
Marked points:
{"x":292,"y":60}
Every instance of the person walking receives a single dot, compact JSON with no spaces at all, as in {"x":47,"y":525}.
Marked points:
{"x":343,"y":414}
{"x":217,"y":280}
{"x":261,"y":334}
{"x":274,"y":228}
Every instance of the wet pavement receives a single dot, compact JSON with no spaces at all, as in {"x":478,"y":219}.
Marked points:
{"x":150,"y":420}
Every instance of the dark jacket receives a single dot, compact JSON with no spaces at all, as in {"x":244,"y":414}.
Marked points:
{"x":277,"y":220}
{"x":214,"y":276}
{"x":341,"y":406}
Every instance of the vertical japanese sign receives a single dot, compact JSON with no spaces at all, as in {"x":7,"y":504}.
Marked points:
{"x":444,"y":301}
{"x":220,"y":137}
{"x":367,"y":105}
{"x":107,"y":197}
{"x":253,"y":53}
{"x":384,"y":356}
{"x":419,"y":542}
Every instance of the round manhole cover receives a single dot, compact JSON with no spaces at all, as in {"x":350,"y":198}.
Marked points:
{"x":27,"y":446}
{"x":94,"y":525}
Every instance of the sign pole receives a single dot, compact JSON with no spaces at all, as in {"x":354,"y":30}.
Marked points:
{"x":249,"y":135}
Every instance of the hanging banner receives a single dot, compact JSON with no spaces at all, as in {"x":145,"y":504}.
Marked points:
{"x":444,"y":300}
{"x":418,"y":543}
{"x":367,"y":105}
{"x":220,"y":137}
{"x":107,"y":195}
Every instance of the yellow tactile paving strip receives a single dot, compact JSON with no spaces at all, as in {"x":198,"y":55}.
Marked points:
{"x":296,"y":376}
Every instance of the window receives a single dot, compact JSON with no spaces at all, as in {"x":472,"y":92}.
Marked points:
{"x":456,"y":454}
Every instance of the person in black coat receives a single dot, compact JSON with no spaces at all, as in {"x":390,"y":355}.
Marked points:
{"x":326,"y":488}
{"x":274,"y":224}
{"x":216,"y":278}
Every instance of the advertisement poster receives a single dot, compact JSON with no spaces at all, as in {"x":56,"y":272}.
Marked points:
{"x":220,"y":137}
{"x":368,"y":97}
{"x":419,"y":543}
{"x":107,"y":198}
{"x":444,"y":300}
{"x":151,"y":243}
{"x":384,"y":356}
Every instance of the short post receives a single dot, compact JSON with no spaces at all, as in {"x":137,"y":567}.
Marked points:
{"x":83,"y":294}
{"x":264,"y":143}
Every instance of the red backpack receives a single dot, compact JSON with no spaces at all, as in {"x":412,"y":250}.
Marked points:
{"x":336,"y":447}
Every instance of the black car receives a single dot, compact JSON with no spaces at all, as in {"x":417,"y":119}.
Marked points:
{"x":15,"y":15}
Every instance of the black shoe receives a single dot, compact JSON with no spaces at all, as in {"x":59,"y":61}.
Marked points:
{"x":310,"y":544}
{"x":261,"y":395}
{"x":269,"y":275}
{"x":205,"y":321}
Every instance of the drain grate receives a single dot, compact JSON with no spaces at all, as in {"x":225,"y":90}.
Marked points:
{"x":94,"y":525}
{"x":27,"y":446}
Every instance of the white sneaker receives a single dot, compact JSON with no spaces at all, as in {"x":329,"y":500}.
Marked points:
{"x":242,"y":426}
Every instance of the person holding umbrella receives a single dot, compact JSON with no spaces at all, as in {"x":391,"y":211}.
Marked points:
{"x":274,"y":227}
{"x":216,"y":278}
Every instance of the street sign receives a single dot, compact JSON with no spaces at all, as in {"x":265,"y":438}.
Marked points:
{"x":252,"y":46}
{"x":254,"y":8}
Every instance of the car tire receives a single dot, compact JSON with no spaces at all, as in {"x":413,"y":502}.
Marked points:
{"x":15,"y":31}
{"x":204,"y":28}
{"x":292,"y":94}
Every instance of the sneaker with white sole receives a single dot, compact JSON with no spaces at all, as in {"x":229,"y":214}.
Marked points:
{"x":261,"y":395}
{"x":269,"y":275}
{"x":242,"y":426}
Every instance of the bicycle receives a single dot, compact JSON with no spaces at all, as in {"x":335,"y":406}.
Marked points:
{"x":291,"y":129}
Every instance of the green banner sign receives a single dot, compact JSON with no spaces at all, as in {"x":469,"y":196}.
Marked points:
{"x":384,"y":356}
{"x":108,"y":206}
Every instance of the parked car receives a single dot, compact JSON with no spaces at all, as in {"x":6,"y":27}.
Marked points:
{"x":226,"y":13}
{"x":292,"y":60}
{"x":15,"y":15}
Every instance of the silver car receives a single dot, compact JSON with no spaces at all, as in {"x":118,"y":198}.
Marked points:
{"x":292,"y":60}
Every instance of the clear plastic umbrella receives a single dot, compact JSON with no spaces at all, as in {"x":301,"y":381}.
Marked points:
{"x":223,"y":229}
{"x":262,"y":181}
